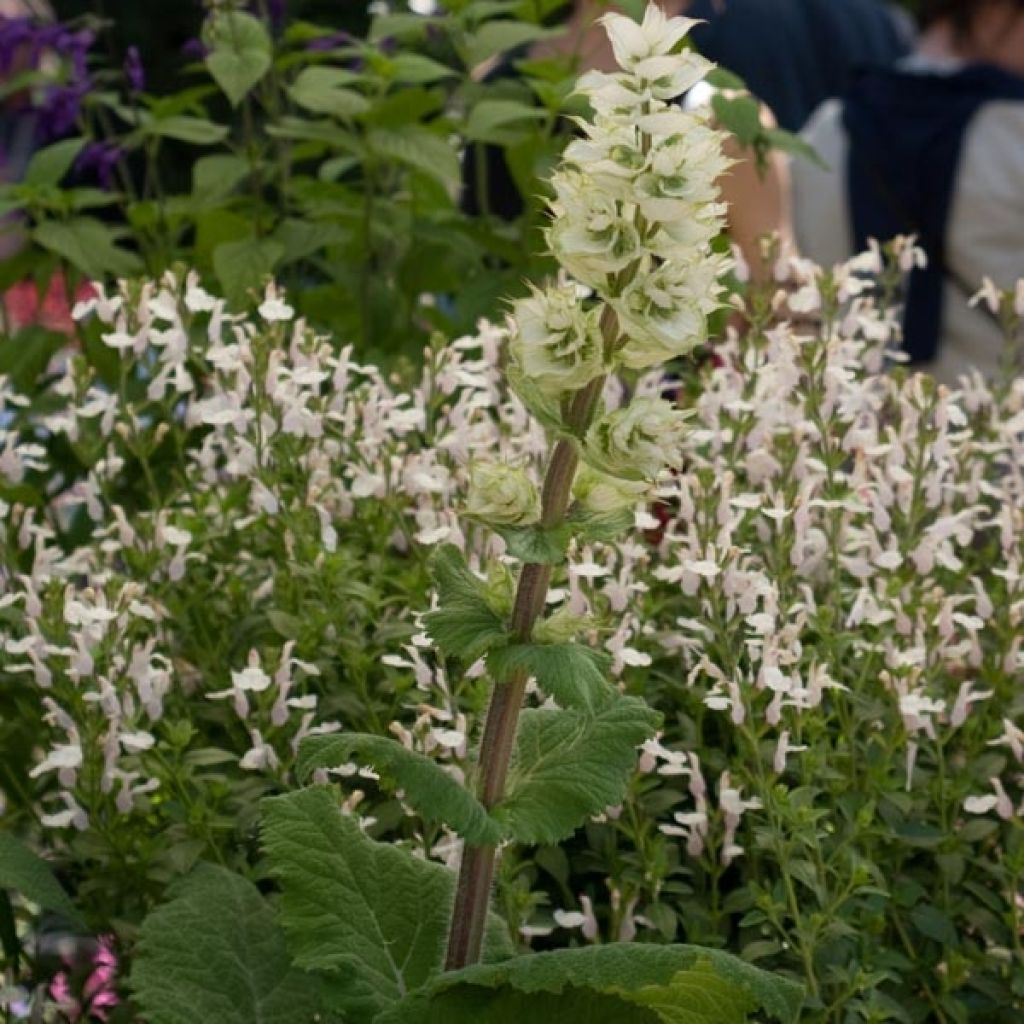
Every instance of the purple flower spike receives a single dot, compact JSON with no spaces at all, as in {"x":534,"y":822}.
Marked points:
{"x":134,"y":71}
{"x":14,"y":34}
{"x":388,"y":45}
{"x":100,"y":159}
{"x":194,"y":49}
{"x":59,"y":111}
{"x":332,"y":42}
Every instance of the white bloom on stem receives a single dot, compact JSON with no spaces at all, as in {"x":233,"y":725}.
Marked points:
{"x":602,"y":494}
{"x":656,"y":36}
{"x":593,"y":235}
{"x":502,"y":495}
{"x":638,"y":441}
{"x":555,"y":343}
{"x":273,"y":308}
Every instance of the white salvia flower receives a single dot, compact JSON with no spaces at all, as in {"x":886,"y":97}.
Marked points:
{"x":556,"y":344}
{"x":663,"y":312}
{"x":638,"y":441}
{"x":593,"y":235}
{"x":502,"y":495}
{"x":274,"y":309}
{"x":655,"y":36}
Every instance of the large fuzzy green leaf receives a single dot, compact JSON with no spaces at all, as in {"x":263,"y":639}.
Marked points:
{"x":369,"y":913}
{"x":215,"y":953}
{"x":464,"y":625}
{"x":29,"y":875}
{"x":428,"y":787}
{"x":575,"y":675}
{"x":615,"y":984}
{"x":571,"y":764}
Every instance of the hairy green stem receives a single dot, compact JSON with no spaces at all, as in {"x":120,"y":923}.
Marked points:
{"x":476,"y":874}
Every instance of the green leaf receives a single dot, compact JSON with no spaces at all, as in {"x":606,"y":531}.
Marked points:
{"x":197,"y":130}
{"x":488,"y":117}
{"x":720,"y":78}
{"x":240,"y":52}
{"x":322,"y":90}
{"x":464,"y":625}
{"x":612,"y":984}
{"x":417,"y":69}
{"x":740,"y":115}
{"x":421,"y":150}
{"x":536,"y":544}
{"x":243,"y":265}
{"x":574,"y":674}
{"x":787,"y":142}
{"x":28,"y":874}
{"x":217,"y":176}
{"x":571,"y":764}
{"x":369,"y":913}
{"x":934,"y":924}
{"x":432,"y":791}
{"x":89,"y":246}
{"x":49,"y":165}
{"x":496,"y":37}
{"x":215,"y":953}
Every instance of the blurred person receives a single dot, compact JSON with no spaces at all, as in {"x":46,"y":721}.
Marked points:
{"x":795,"y":54}
{"x":932,"y":148}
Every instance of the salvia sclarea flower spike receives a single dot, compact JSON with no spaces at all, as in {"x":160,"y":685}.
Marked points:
{"x":635,"y":212}
{"x":633,"y":218}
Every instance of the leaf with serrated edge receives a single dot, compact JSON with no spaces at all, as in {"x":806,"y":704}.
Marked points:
{"x":642,"y":983}
{"x":215,"y":953}
{"x":464,"y":625}
{"x":370,"y":913}
{"x":428,"y":787}
{"x":571,"y":764}
{"x":575,"y":675}
{"x":29,"y":875}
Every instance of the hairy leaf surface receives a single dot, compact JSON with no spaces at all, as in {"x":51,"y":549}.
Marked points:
{"x":428,"y":787}
{"x":464,"y":625}
{"x":574,"y":674}
{"x":571,"y":764}
{"x":614,"y":984}
{"x":215,"y":953}
{"x":370,"y":913}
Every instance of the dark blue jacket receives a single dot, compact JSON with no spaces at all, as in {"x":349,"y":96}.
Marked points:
{"x":795,"y":54}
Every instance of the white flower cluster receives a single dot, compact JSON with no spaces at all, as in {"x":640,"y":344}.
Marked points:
{"x":633,"y":219}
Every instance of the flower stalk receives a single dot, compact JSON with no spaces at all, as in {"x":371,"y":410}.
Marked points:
{"x":634,"y":214}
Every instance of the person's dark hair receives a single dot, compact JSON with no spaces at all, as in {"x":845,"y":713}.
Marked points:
{"x":961,"y":13}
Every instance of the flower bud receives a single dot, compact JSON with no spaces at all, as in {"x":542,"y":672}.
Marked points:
{"x":556,"y":344}
{"x":602,"y":494}
{"x":637,"y":441}
{"x":502,"y":495}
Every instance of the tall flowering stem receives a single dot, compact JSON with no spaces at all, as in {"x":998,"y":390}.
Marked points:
{"x":633,"y":218}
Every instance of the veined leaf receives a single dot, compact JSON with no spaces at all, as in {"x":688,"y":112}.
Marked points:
{"x":215,"y":953}
{"x":495,"y":37}
{"x":488,"y":117}
{"x":196,"y":130}
{"x":464,"y":625}
{"x":88,"y":245}
{"x":242,"y":265}
{"x":418,"y":69}
{"x":428,"y":787}
{"x":421,"y":150}
{"x":239,"y":54}
{"x":29,"y":875}
{"x":323,"y":91}
{"x":614,"y":984}
{"x":49,"y":165}
{"x":574,"y":674}
{"x":536,"y":544}
{"x":571,"y":764}
{"x":369,"y":913}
